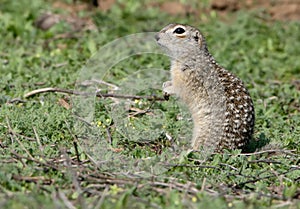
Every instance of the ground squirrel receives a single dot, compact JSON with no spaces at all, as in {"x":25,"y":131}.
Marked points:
{"x":221,"y":108}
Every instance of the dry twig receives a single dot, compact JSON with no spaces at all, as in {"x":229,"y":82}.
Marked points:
{"x":98,"y":94}
{"x":287,"y":152}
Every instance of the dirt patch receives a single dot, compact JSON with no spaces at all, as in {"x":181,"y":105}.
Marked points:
{"x":48,"y":19}
{"x":284,"y":10}
{"x":84,"y":5}
{"x":173,"y":8}
{"x":225,"y":5}
{"x":106,"y":4}
{"x":278,"y":9}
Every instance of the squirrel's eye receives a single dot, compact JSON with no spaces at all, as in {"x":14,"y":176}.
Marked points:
{"x":179,"y":30}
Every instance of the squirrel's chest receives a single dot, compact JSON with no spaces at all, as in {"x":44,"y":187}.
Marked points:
{"x":179,"y":77}
{"x":187,"y":85}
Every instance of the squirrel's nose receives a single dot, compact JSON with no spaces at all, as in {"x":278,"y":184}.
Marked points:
{"x":157,"y":37}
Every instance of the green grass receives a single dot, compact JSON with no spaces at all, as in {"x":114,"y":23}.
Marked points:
{"x":44,"y":163}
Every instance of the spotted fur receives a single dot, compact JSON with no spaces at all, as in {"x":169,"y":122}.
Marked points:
{"x":221,"y":107}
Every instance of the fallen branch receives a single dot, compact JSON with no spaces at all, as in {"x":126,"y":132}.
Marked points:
{"x":67,"y":91}
{"x":279,"y":151}
{"x":33,"y":179}
{"x":240,"y":185}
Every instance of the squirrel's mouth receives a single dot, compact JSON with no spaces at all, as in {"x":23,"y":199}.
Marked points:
{"x":163,"y":47}
{"x":159,"y":43}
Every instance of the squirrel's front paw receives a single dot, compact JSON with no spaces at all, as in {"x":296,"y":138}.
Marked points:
{"x":166,"y":84}
{"x":166,"y":96}
{"x":167,"y":89}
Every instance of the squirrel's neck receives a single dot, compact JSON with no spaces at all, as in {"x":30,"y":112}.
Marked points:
{"x":201,"y":59}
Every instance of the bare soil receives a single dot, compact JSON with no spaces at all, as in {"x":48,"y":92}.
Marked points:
{"x":281,"y":10}
{"x":277,"y":9}
{"x":284,"y":10}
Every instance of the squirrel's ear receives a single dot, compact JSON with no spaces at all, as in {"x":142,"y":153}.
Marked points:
{"x":198,"y":38}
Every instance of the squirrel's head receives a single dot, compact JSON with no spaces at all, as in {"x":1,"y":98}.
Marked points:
{"x":181,"y":40}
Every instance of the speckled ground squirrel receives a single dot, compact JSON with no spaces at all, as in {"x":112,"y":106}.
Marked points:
{"x":221,"y":108}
